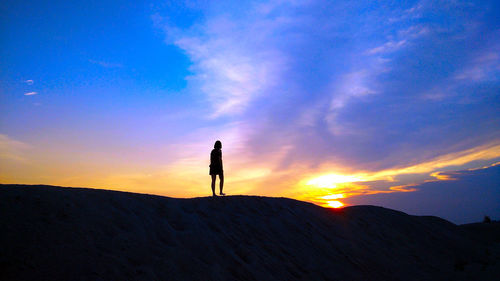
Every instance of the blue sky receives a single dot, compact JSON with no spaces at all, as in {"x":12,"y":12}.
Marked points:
{"x":132,"y":95}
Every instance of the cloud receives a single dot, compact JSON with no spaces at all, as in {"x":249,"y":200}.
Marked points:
{"x":475,"y":194}
{"x":339,"y":87}
{"x":29,"y":82}
{"x":31,"y":93}
{"x":13,"y":150}
{"x":401,"y":179}
{"x":387,"y":47}
{"x":350,"y":86}
{"x":233,"y":63}
{"x":106,"y":64}
{"x":483,"y":67}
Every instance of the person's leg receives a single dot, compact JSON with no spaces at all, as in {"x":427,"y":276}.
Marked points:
{"x":221,"y":183}
{"x":213,"y":184}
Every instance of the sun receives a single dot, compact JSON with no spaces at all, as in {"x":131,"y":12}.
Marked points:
{"x":335,"y":204}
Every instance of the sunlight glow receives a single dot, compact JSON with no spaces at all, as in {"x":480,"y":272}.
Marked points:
{"x":441,"y":176}
{"x":335,"y":204}
{"x":317,"y":188}
{"x":333,"y":196}
{"x":331,"y":180}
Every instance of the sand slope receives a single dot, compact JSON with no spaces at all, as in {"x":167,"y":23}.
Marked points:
{"x":54,"y":233}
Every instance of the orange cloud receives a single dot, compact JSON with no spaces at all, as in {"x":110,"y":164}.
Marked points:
{"x":323,"y":187}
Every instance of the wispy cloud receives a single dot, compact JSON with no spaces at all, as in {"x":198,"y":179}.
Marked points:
{"x":106,"y":64}
{"x":405,"y":14}
{"x":31,"y":93}
{"x":334,"y":90}
{"x":12,"y":150}
{"x":29,"y":82}
{"x":324,"y":187}
{"x":399,"y":38}
{"x":387,"y":47}
{"x":473,"y":192}
{"x":234,"y":62}
{"x":483,"y":67}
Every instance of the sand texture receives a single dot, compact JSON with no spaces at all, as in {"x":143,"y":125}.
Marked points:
{"x":55,"y":233}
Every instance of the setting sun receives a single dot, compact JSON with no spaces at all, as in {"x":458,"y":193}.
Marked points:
{"x":335,"y":204}
{"x":332,"y":181}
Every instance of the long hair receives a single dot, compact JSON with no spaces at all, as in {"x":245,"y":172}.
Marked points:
{"x":218,"y":144}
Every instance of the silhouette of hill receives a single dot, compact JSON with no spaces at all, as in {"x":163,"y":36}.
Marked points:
{"x":54,"y":233}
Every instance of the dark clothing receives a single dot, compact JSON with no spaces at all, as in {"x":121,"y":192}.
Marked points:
{"x":216,"y":162}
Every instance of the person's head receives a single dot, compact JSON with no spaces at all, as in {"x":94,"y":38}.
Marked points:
{"x":218,"y":144}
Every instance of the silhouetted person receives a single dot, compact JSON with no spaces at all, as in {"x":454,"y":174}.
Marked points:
{"x":216,"y":167}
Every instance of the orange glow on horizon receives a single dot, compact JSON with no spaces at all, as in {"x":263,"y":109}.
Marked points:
{"x":184,"y":173}
{"x":331,"y":180}
{"x":318,"y":188}
{"x":333,"y":196}
{"x":335,"y":204}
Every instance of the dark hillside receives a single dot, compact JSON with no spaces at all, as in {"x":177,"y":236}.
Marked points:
{"x":55,"y":233}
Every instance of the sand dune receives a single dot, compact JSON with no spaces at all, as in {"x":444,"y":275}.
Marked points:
{"x":54,"y":233}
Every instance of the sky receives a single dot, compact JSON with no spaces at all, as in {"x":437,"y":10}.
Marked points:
{"x":332,"y":102}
